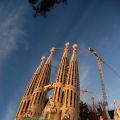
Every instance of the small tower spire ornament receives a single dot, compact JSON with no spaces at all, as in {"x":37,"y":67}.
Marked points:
{"x":50,"y":56}
{"x":74,"y":52}
{"x":40,"y":65}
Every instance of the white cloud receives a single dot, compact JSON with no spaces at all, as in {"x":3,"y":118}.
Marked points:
{"x":11,"y":36}
{"x":84,"y":77}
{"x":10,"y":111}
{"x":11,"y":32}
{"x":84,"y":68}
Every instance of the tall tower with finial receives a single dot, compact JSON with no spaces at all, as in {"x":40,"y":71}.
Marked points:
{"x":61,"y":76}
{"x":54,"y":111}
{"x":70,"y":109}
{"x":26,"y":99}
{"x":37,"y":103}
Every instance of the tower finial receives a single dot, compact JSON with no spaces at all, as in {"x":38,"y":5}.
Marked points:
{"x":52,"y":49}
{"x":40,"y":65}
{"x":43,"y":58}
{"x":67,"y":44}
{"x":50,"y":56}
{"x":74,"y":46}
{"x":66,"y":49}
{"x":74,"y":52}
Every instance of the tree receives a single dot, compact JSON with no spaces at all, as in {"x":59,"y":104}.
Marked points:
{"x":87,"y":113}
{"x":42,"y":7}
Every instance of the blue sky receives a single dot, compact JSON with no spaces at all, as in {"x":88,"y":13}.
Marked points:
{"x":24,"y":39}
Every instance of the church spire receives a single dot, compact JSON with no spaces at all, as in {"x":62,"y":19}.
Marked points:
{"x":71,"y":96}
{"x":73,"y":58}
{"x":58,"y":92}
{"x":33,"y":82}
{"x":61,"y":75}
{"x":38,"y":97}
{"x":26,"y":98}
{"x":40,"y":65}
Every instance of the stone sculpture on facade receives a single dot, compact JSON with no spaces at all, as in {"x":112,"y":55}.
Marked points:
{"x":116,"y":111}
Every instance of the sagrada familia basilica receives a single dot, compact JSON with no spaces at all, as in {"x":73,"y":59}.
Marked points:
{"x":63,"y":104}
{"x":65,"y":99}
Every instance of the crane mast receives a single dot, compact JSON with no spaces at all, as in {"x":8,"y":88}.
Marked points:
{"x":102,"y":81}
{"x":99,"y":60}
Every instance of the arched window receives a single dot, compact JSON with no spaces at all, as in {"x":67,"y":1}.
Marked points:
{"x":71,"y":98}
{"x":59,"y":93}
{"x":38,"y":102}
{"x":62,"y":97}
{"x":67,"y":97}
{"x":35,"y":98}
{"x":32,"y":98}
{"x":27,"y":105}
{"x":23,"y":107}
{"x":74,"y":99}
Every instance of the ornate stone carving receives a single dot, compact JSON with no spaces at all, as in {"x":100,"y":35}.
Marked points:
{"x":52,"y":106}
{"x":116,"y":111}
{"x":65,"y":114}
{"x":49,"y":87}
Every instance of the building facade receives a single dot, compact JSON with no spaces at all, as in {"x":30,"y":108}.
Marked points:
{"x":64,"y":102}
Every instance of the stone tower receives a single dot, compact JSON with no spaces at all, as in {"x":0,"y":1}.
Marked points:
{"x":64,"y":103}
{"x":70,"y":109}
{"x":27,"y":95}
{"x":39,"y":96}
{"x":53,"y":111}
{"x":34,"y":97}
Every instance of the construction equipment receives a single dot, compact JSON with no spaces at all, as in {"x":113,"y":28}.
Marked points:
{"x":92,"y":51}
{"x":84,"y":91}
{"x":93,"y":103}
{"x":99,"y":60}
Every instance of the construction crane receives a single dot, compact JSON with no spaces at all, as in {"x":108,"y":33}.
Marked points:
{"x":93,"y":103}
{"x":84,"y":93}
{"x":99,"y":60}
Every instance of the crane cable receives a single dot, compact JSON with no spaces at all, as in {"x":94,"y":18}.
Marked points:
{"x":113,"y":70}
{"x":91,"y":92}
{"x":103,"y":61}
